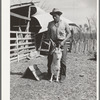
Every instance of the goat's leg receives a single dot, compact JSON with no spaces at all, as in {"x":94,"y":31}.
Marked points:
{"x":51,"y":77}
{"x":57,"y":78}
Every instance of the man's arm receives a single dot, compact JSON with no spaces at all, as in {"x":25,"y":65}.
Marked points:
{"x":68,"y":35}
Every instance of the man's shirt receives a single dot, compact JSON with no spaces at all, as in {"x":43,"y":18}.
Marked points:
{"x":58,"y":30}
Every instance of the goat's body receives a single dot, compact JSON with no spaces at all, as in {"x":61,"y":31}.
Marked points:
{"x":55,"y":66}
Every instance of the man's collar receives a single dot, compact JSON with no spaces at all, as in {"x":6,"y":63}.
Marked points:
{"x":58,"y":21}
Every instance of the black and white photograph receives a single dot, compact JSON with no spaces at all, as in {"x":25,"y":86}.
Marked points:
{"x":53,"y":48}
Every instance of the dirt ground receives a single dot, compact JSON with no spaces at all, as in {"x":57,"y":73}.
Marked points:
{"x":80,"y":82}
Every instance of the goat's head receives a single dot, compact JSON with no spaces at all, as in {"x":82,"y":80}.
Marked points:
{"x":57,"y":53}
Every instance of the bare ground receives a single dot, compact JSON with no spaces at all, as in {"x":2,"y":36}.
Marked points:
{"x":80,"y":83}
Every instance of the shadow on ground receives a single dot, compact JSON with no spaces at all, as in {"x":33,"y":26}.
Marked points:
{"x":16,"y":73}
{"x":93,"y":59}
{"x":28,"y":75}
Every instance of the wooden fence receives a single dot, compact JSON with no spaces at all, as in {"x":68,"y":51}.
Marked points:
{"x":85,"y":43}
{"x":21,"y":43}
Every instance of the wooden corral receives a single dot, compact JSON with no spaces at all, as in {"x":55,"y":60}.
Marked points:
{"x":26,"y":30}
{"x":28,"y":25}
{"x":22,"y":41}
{"x":20,"y":46}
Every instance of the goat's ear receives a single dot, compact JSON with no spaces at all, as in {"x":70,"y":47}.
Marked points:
{"x":53,"y":43}
{"x":62,"y":49}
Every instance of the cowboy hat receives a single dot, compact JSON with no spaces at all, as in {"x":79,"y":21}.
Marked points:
{"x":55,"y":11}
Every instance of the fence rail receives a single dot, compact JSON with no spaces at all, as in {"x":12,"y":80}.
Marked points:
{"x":21,"y":43}
{"x":83,"y":43}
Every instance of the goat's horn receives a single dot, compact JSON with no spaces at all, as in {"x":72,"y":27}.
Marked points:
{"x":52,"y":42}
{"x":59,"y":46}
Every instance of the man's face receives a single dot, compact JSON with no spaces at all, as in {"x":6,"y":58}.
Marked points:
{"x":56,"y":17}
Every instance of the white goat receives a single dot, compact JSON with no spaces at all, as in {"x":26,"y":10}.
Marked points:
{"x":55,"y":66}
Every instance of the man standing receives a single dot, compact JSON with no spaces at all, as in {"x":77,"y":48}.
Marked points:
{"x":59,"y":33}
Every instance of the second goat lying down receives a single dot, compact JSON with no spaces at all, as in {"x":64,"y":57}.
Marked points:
{"x":55,"y":66}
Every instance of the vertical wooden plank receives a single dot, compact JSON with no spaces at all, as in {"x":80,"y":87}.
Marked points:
{"x":33,"y":38}
{"x":95,"y":45}
{"x":78,"y":46}
{"x":86,"y":46}
{"x":41,"y":42}
{"x":17,"y":46}
{"x":74,"y":46}
{"x":90,"y":45}
{"x":27,"y":28}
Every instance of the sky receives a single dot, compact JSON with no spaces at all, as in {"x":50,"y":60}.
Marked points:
{"x":75,"y":10}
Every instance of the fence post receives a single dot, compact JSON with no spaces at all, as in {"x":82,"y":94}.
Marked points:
{"x":28,"y":24}
{"x":17,"y":46}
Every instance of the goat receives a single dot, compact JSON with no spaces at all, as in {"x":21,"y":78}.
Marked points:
{"x":55,"y":66}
